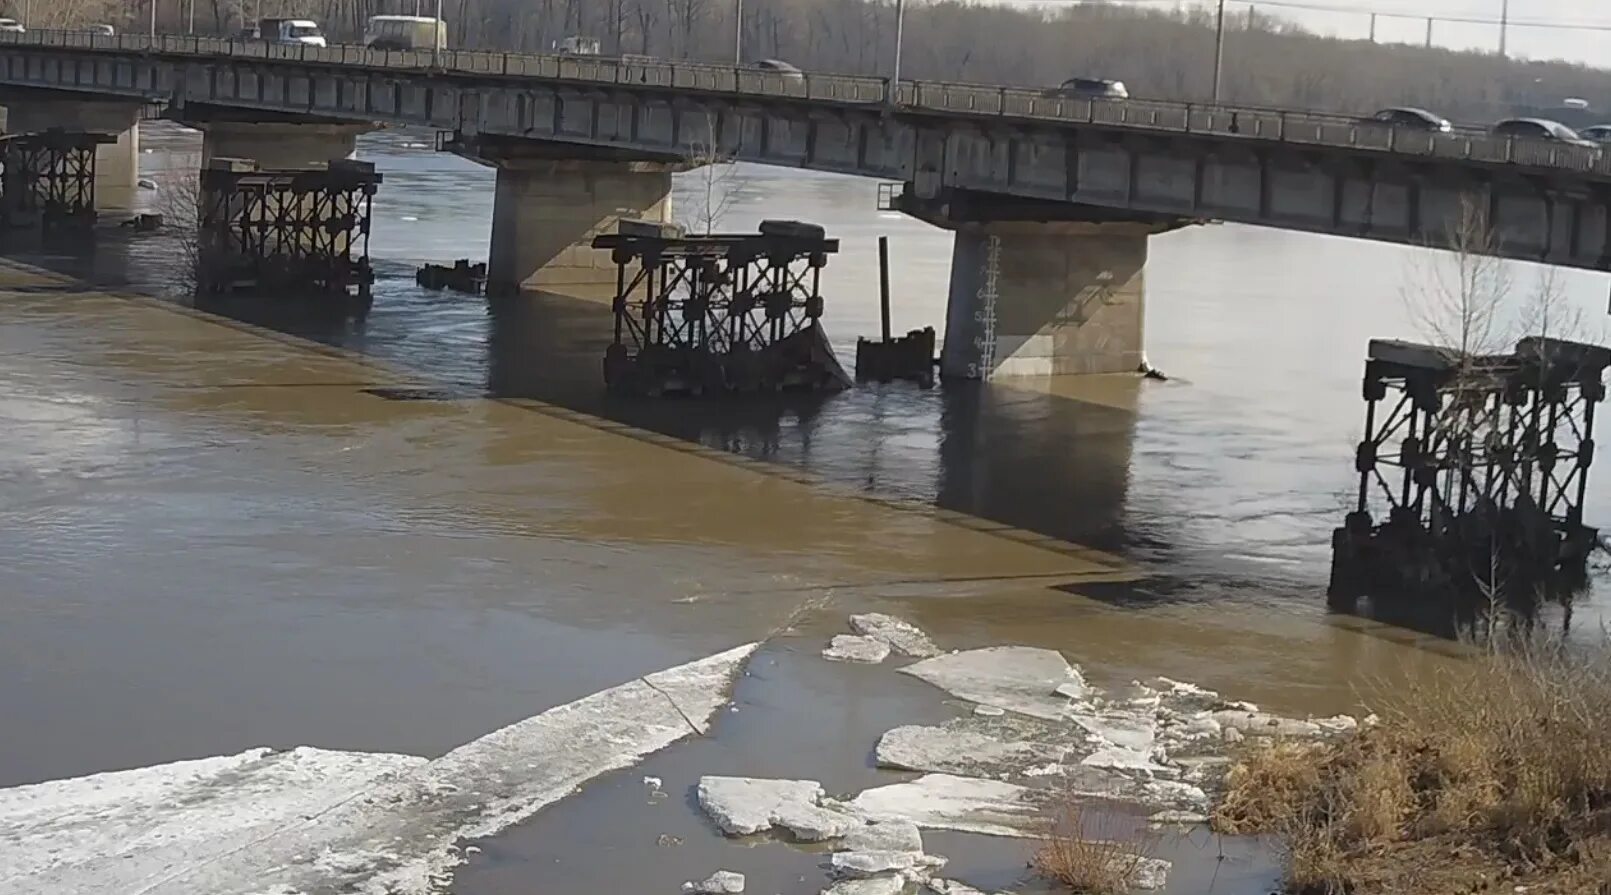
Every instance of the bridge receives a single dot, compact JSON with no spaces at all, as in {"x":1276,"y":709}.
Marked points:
{"x":1052,"y":199}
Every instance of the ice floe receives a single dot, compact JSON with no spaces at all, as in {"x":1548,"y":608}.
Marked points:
{"x":856,"y":648}
{"x":1018,"y":679}
{"x":965,"y":804}
{"x":311,"y":820}
{"x":902,"y":636}
{"x":722,"y":882}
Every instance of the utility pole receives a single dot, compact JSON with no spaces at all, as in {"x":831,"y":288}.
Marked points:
{"x":1504,"y":26}
{"x":895,"y":72}
{"x":153,"y":19}
{"x":191,"y":24}
{"x":1373,"y":27}
{"x":1429,"y":32}
{"x":436,"y":38}
{"x":738,"y":33}
{"x":1219,"y":50}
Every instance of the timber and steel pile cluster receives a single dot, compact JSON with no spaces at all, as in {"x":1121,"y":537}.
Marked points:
{"x":47,"y":181}
{"x":1472,"y":476}
{"x":297,"y":232}
{"x":719,"y":312}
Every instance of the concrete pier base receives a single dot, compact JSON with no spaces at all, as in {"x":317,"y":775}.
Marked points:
{"x":1044,"y":299}
{"x":278,"y":145}
{"x":117,"y":165}
{"x":547,"y":211}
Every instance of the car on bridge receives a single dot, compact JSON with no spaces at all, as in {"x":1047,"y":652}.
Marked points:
{"x":1599,"y":133}
{"x":1541,"y":129}
{"x":405,"y":33}
{"x":1411,"y":118}
{"x":1089,"y":88}
{"x":11,"y":26}
{"x":779,"y":67}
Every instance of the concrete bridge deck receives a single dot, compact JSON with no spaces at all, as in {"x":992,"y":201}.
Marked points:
{"x":1052,"y":199}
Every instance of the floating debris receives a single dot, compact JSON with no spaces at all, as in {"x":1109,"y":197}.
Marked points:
{"x":461,"y":277}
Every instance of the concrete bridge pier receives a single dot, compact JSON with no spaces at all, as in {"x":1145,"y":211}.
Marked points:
{"x":546,"y":212}
{"x":117,"y":165}
{"x":279,"y":145}
{"x":1040,"y":288}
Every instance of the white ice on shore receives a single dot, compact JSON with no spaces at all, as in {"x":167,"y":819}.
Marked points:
{"x":312,"y":820}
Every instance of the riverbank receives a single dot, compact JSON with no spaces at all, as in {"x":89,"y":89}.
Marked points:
{"x":1492,"y":775}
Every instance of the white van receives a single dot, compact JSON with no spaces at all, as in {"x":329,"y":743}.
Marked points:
{"x":577,"y":46}
{"x":405,"y":33}
{"x":290,"y":32}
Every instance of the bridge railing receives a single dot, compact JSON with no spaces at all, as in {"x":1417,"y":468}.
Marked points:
{"x":1286,"y":126}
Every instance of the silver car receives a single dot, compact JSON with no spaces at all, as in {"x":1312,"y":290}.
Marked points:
{"x":1599,"y":133}
{"x":1541,"y":129}
{"x":11,"y":26}
{"x":779,"y":67}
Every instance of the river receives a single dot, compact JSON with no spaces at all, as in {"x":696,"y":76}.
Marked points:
{"x":217,"y":538}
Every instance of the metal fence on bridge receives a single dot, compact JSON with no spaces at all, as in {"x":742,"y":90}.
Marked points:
{"x":1250,"y":123}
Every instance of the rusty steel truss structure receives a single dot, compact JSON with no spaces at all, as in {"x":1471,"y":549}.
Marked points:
{"x":720,"y":312}
{"x":1472,"y":476}
{"x":48,"y":181}
{"x":303,"y":232}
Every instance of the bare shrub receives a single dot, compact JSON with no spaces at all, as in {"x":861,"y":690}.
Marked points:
{"x":1505,"y":760}
{"x":178,"y":200}
{"x":1078,"y":853}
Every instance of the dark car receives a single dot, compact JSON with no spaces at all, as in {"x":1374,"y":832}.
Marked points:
{"x":1541,"y":129}
{"x":1089,"y":88}
{"x":1599,"y":133}
{"x":1412,"y":119}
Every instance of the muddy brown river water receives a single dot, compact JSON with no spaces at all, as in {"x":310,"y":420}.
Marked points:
{"x":217,"y":537}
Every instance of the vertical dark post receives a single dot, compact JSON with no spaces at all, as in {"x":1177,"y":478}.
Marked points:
{"x":883,"y":284}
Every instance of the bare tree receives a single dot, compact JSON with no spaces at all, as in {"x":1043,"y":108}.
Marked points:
{"x":716,"y":183}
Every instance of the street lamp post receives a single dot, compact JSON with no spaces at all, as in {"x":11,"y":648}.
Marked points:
{"x":895,"y":70}
{"x":153,"y":19}
{"x":436,"y":39}
{"x":1504,"y":27}
{"x":191,"y":23}
{"x":1219,"y":50}
{"x":738,"y":33}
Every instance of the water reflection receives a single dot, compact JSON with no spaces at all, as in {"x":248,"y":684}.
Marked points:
{"x":1223,"y":485}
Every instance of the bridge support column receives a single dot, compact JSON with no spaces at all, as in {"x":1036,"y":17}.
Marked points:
{"x":279,"y":145}
{"x":117,"y":164}
{"x":546,"y":212}
{"x":1045,"y":299}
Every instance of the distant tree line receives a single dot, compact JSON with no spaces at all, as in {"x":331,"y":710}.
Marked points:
{"x":1157,"y":53}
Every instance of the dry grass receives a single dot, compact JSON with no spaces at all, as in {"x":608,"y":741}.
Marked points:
{"x":1078,"y":855}
{"x":1505,"y":761}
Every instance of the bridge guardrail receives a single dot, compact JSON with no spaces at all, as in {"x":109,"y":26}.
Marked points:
{"x":1285,"y":126}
